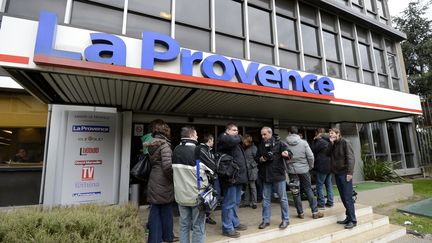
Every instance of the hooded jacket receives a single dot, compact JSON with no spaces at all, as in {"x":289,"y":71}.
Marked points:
{"x":303,"y":159}
{"x":160,"y":188}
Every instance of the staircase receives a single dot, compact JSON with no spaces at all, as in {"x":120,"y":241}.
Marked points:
{"x":370,"y":227}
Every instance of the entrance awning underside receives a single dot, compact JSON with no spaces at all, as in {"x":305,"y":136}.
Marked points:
{"x":64,"y":86}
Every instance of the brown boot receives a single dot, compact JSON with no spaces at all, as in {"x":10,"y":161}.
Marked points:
{"x":317,"y":215}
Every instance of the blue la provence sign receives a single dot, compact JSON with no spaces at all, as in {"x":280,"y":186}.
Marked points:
{"x":110,"y":49}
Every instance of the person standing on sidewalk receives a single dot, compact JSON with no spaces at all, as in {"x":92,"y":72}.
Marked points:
{"x":252,"y":171}
{"x":299,"y":166}
{"x":342,"y":165}
{"x":230,"y":143}
{"x":271,"y":152}
{"x":323,"y":168}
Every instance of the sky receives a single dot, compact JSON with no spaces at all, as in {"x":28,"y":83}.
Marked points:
{"x":397,"y":6}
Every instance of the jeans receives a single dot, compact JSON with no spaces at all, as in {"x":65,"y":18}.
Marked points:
{"x":345,"y":190}
{"x":324,"y":179}
{"x":305,"y":184}
{"x":160,"y":223}
{"x":251,"y":193}
{"x":280,"y":187}
{"x":231,"y":201}
{"x":216,"y":186}
{"x":192,"y":216}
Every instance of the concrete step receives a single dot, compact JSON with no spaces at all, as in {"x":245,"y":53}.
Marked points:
{"x":334,"y":231}
{"x":305,"y":226}
{"x":385,"y":233}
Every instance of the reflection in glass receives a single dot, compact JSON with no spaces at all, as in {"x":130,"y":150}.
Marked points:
{"x":136,"y":24}
{"x":229,"y":17}
{"x":160,"y":8}
{"x":259,"y":25}
{"x":229,"y":46}
{"x":378,"y":137}
{"x":331,"y":46}
{"x":310,"y":40}
{"x":313,"y":65}
{"x":193,"y":12}
{"x":32,"y":9}
{"x":89,"y":16}
{"x":192,"y":38}
{"x":287,"y":34}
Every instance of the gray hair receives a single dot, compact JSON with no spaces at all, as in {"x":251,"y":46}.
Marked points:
{"x":269,"y":130}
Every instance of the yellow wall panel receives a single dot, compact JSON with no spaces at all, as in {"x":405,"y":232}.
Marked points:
{"x":20,"y":110}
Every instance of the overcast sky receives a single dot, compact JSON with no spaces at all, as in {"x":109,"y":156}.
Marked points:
{"x":397,"y":6}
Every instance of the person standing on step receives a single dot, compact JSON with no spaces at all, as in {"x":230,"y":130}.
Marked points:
{"x":322,"y":168}
{"x":342,"y":165}
{"x":271,"y":152}
{"x":299,"y":166}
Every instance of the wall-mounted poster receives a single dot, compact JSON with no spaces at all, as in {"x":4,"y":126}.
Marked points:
{"x":88,"y":168}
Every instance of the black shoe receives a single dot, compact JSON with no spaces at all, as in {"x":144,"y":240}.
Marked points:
{"x":263,"y":225}
{"x":241,"y":227}
{"x":232,"y":234}
{"x":345,"y":221}
{"x":327,"y":205}
{"x":210,"y":221}
{"x":254,"y":206}
{"x":175,"y":239}
{"x":350,"y":225}
{"x":283,"y":225}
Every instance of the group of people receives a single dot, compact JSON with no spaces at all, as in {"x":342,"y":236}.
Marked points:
{"x":175,"y":177}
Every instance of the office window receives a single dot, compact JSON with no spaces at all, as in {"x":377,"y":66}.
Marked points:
{"x":229,"y":46}
{"x":229,"y":28}
{"x":379,"y":61}
{"x":308,"y":14}
{"x":370,"y":9}
{"x":289,"y":59}
{"x":286,"y":7}
{"x":331,"y":48}
{"x":261,"y":53}
{"x":391,"y":57}
{"x":287,"y":34}
{"x":229,"y":17}
{"x":259,"y":25}
{"x":136,"y":24}
{"x":192,"y":27}
{"x":193,"y":38}
{"x":328,"y":21}
{"x":310,"y":40}
{"x":313,"y":64}
{"x":261,"y":37}
{"x":192,"y":12}
{"x":261,"y":3}
{"x":346,"y":28}
{"x":31,"y":8}
{"x":160,"y":8}
{"x":349,"y":51}
{"x":89,"y":16}
{"x":365,"y":56}
{"x":350,"y":55}
{"x":381,"y":11}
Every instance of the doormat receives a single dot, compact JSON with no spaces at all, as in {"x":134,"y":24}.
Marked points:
{"x":422,"y":208}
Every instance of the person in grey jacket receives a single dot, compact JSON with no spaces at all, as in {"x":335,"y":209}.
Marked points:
{"x":298,"y":168}
{"x":252,"y":171}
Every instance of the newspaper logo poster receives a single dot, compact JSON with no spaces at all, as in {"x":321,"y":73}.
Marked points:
{"x":88,"y":165}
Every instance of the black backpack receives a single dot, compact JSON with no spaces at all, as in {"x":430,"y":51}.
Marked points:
{"x":227,"y":168}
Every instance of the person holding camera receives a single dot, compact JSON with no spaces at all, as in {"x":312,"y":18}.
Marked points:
{"x":299,"y":166}
{"x":342,"y":165}
{"x":271,"y":152}
{"x":230,"y":143}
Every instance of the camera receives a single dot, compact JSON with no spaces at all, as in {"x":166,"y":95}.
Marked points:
{"x":268,"y":153}
{"x":294,"y":186}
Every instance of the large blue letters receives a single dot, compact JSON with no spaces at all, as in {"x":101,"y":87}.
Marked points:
{"x":109,"y":45}
{"x":149,"y":54}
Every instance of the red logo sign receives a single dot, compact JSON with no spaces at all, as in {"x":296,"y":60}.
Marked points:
{"x":87,"y":173}
{"x":85,"y":151}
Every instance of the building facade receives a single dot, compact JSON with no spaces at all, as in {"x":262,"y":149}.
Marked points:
{"x":204,"y":62}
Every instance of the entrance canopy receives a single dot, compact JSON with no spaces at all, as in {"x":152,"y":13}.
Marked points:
{"x":66,"y":65}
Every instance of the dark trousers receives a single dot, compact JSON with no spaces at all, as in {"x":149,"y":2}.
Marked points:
{"x":346,"y":193}
{"x":305,"y":184}
{"x":160,"y":223}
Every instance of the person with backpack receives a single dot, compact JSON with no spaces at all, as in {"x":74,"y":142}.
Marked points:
{"x":229,"y":143}
{"x":160,"y":188}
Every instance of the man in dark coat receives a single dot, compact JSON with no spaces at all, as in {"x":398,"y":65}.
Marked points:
{"x":342,"y":165}
{"x":323,"y":168}
{"x":230,"y":143}
{"x":271,"y":152}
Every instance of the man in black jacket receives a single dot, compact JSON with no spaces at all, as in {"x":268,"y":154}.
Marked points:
{"x":342,"y":165}
{"x":230,"y":143}
{"x":271,"y":152}
{"x":322,"y":167}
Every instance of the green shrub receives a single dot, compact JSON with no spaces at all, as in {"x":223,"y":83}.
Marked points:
{"x":380,"y":170}
{"x":83,"y":223}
